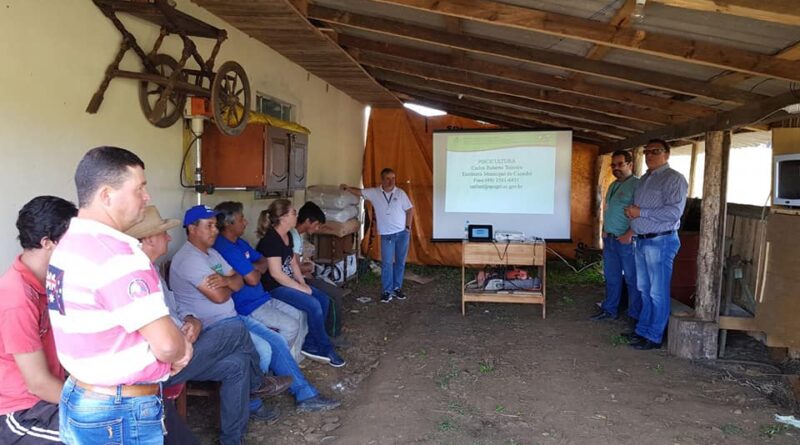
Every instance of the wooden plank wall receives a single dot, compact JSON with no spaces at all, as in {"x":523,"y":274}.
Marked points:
{"x":744,"y":233}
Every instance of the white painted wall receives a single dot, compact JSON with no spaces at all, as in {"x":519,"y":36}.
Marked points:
{"x":55,"y":54}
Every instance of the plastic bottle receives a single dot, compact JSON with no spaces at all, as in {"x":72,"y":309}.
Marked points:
{"x":466,"y":229}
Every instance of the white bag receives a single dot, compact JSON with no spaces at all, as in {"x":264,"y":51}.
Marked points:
{"x":340,"y":215}
{"x":330,"y":197}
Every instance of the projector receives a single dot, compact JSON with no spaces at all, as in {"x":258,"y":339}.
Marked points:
{"x":508,"y":235}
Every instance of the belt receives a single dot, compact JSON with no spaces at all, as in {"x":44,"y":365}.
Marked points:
{"x":653,"y":235}
{"x":125,"y":390}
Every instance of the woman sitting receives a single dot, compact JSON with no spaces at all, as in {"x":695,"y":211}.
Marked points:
{"x":285,"y":282}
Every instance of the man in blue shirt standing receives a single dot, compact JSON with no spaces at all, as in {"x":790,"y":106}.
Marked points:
{"x":619,"y":265}
{"x":655,"y":218}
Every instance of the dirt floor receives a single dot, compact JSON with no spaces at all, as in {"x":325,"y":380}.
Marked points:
{"x":420,"y":373}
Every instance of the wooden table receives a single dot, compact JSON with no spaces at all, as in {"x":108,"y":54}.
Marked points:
{"x":478,"y":254}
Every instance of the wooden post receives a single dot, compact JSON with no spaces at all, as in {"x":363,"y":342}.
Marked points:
{"x":600,"y":166}
{"x":638,"y":161}
{"x":710,"y":254}
{"x":696,"y":338}
{"x":693,"y":167}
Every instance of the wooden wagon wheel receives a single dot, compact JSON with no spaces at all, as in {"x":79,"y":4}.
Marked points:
{"x":230,"y":98}
{"x":150,"y":92}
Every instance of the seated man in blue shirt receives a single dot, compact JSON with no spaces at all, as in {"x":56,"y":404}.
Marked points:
{"x":223,"y":350}
{"x":247,"y":301}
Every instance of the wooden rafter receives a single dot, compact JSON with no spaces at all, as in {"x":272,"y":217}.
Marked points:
{"x":726,"y":120}
{"x":393,"y":80}
{"x":786,"y":12}
{"x":734,"y":77}
{"x":647,"y":78}
{"x":512,"y":88}
{"x":673,"y":110}
{"x":528,"y":120}
{"x":621,"y":19}
{"x":605,"y":130}
{"x":637,"y":40}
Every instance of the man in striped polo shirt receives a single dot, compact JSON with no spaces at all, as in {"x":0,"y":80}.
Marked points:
{"x":655,"y":218}
{"x":112,"y":329}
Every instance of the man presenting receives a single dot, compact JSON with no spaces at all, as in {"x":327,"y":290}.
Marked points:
{"x":394,"y":215}
{"x":112,"y":329}
{"x":655,"y":218}
{"x":619,"y":264}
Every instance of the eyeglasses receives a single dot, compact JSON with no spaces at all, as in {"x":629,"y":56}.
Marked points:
{"x":654,"y":151}
{"x":619,"y":164}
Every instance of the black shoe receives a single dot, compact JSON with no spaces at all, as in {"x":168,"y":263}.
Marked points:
{"x":386,"y":297}
{"x":603,"y":315}
{"x":317,"y":403}
{"x":631,"y":336}
{"x":646,"y":345}
{"x":399,"y":294}
{"x":266,"y":413}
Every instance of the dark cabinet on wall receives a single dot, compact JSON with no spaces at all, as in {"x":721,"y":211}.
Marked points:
{"x":263,"y":157}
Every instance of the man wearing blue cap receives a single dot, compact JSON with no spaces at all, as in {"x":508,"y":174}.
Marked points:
{"x":209,"y":298}
{"x":202,"y":283}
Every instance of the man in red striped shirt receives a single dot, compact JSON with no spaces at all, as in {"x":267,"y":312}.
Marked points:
{"x":112,"y":329}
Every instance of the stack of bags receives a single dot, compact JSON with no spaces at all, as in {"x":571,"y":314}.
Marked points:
{"x":340,"y":208}
{"x":336,"y":259}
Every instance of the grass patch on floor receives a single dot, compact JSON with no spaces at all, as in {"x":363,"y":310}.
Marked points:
{"x":558,"y":274}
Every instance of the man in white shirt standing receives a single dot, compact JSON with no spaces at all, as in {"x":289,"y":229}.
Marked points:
{"x":393,"y":214}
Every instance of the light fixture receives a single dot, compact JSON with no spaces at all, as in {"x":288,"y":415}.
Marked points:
{"x":425,"y":111}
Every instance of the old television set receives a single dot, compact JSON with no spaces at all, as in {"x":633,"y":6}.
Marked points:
{"x":787,"y":180}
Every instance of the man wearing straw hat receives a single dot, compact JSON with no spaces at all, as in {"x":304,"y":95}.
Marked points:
{"x":223,"y":351}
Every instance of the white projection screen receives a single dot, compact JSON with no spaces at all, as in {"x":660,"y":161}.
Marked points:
{"x":514,"y":180}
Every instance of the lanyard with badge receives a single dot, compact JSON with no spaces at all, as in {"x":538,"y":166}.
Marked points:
{"x":388,"y":201}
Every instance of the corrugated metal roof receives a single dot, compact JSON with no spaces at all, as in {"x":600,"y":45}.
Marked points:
{"x":715,"y":28}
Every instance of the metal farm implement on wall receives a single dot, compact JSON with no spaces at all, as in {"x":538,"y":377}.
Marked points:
{"x":166,"y":82}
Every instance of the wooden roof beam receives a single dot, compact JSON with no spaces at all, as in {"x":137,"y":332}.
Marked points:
{"x":636,"y":40}
{"x":510,"y":101}
{"x":621,"y":19}
{"x":519,"y":114}
{"x":473,"y":113}
{"x":727,"y":120}
{"x":776,"y":11}
{"x":646,"y":78}
{"x":674,"y":111}
{"x":494,"y":85}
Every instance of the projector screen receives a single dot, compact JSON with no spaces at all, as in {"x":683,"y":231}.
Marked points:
{"x":513,"y":180}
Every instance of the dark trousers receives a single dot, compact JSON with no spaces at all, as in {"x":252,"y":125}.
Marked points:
{"x":224,"y":353}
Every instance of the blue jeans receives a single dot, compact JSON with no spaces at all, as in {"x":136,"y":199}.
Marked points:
{"x":316,"y":308}
{"x":225,"y":353}
{"x":654,"y":259}
{"x":280,"y":360}
{"x":394,"y":248}
{"x":619,"y":265}
{"x":87,"y":418}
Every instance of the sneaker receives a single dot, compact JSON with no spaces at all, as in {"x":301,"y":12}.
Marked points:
{"x":316,"y":356}
{"x":399,"y":294}
{"x":317,"y":403}
{"x":335,"y":360}
{"x":266,"y":413}
{"x":386,"y":297}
